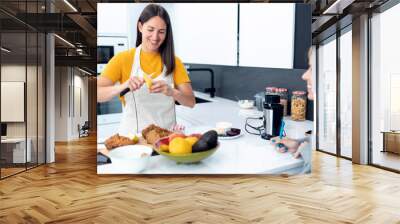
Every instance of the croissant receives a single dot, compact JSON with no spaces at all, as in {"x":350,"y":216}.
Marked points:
{"x":153,"y":133}
{"x":118,"y":141}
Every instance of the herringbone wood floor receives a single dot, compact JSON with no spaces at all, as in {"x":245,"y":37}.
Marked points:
{"x":70,"y":191}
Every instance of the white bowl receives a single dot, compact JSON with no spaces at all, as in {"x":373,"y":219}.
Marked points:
{"x":246,"y":104}
{"x":131,"y":158}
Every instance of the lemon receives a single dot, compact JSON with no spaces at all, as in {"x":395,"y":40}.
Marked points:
{"x":191,"y":140}
{"x":179,"y":146}
{"x":135,"y":139}
{"x":148,"y":80}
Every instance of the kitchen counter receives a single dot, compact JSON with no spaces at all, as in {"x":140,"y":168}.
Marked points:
{"x":248,"y":154}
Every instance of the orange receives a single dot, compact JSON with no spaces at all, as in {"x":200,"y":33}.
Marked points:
{"x":164,"y":148}
{"x":179,"y":146}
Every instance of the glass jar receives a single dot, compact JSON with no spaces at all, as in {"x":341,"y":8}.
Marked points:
{"x":283,"y":93}
{"x":299,"y":105}
{"x":270,"y":90}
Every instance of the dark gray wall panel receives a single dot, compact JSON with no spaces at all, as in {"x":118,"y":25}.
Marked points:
{"x":245,"y":82}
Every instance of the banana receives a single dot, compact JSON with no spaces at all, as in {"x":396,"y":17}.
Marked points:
{"x":148,"y":80}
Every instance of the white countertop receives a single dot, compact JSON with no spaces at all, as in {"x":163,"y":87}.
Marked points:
{"x":248,"y":154}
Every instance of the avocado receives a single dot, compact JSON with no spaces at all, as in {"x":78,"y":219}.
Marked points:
{"x":200,"y":146}
{"x":211,"y":137}
{"x":207,"y":141}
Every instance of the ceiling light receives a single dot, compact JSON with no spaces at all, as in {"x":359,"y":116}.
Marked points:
{"x":70,"y":5}
{"x":84,"y":71}
{"x":64,"y":40}
{"x":5,"y":50}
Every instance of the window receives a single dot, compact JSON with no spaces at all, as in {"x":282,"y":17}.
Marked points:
{"x":346,"y":93}
{"x":327,"y":96}
{"x":385,"y":88}
{"x":22,"y":65}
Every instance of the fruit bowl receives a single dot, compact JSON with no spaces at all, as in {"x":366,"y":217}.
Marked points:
{"x":194,"y":157}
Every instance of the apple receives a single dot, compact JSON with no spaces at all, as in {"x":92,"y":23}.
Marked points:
{"x":195,"y":135}
{"x":175,"y":135}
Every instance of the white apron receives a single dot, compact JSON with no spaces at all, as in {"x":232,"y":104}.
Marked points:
{"x":143,"y":108}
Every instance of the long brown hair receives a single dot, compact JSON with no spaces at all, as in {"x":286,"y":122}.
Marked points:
{"x":167,"y":47}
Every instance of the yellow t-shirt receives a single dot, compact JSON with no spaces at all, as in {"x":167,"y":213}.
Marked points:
{"x":119,"y":67}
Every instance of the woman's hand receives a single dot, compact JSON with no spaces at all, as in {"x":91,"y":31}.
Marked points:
{"x":107,"y":90}
{"x":285,"y":144}
{"x":133,"y":83}
{"x":160,"y":86}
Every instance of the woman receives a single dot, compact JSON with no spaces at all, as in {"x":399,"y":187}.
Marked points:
{"x":153,"y":57}
{"x":300,"y":147}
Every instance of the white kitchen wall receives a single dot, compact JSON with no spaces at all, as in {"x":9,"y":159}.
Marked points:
{"x":134,"y":11}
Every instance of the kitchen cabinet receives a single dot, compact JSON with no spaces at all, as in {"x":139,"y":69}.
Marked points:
{"x":205,"y":33}
{"x":256,"y":35}
{"x":112,"y":19}
{"x":266,"y":37}
{"x":266,"y":34}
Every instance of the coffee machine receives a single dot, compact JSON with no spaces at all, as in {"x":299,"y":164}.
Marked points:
{"x":273,"y":115}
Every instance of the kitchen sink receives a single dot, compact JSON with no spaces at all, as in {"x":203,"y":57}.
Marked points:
{"x":198,"y":100}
